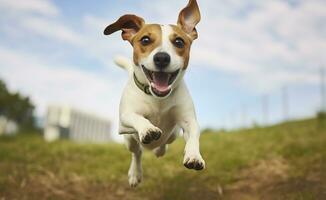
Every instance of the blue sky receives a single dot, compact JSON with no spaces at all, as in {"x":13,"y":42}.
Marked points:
{"x":55,"y":52}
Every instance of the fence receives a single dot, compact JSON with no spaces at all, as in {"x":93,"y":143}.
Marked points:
{"x":68,"y":123}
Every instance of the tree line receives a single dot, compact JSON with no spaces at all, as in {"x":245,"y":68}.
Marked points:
{"x":17,"y":108}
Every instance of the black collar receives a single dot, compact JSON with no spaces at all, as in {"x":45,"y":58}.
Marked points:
{"x":142,"y":86}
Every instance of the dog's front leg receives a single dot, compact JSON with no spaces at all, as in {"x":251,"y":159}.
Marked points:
{"x":147,"y":132}
{"x":192,"y":156}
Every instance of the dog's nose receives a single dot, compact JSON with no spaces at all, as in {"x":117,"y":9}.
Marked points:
{"x":162,"y":60}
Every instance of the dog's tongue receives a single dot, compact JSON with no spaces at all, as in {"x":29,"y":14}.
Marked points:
{"x":161,"y":81}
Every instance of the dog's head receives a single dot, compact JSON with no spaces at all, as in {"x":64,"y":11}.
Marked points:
{"x":161,"y":52}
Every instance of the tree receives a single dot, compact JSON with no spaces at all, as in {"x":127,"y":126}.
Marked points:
{"x":16,"y":107}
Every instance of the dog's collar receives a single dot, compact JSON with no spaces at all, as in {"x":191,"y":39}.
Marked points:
{"x":141,"y":86}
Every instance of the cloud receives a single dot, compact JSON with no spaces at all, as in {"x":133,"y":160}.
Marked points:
{"x":250,"y":46}
{"x":17,"y":7}
{"x":98,"y":45}
{"x":39,"y":74}
{"x":38,"y":18}
{"x":48,"y":27}
{"x":51,"y":29}
{"x":271,"y":45}
{"x":266,"y":44}
{"x":47,"y":84}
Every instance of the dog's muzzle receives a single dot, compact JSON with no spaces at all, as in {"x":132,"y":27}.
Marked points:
{"x":160,"y":82}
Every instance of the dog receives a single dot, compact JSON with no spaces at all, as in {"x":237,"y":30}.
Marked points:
{"x":156,"y":105}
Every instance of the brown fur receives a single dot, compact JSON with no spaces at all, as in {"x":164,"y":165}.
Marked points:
{"x":129,"y":24}
{"x":183,"y":52}
{"x":189,"y":18}
{"x":154,"y":32}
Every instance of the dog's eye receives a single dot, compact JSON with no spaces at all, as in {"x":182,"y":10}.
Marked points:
{"x":145,"y":40}
{"x":179,"y":43}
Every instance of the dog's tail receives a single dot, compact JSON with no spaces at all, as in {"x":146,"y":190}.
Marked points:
{"x":124,"y":63}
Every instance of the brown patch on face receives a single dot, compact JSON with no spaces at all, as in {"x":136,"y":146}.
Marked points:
{"x":154,"y":32}
{"x":184,"y":51}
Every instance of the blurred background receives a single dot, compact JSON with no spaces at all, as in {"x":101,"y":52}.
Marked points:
{"x":257,"y":67}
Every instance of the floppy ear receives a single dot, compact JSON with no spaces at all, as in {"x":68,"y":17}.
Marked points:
{"x":128,"y":24}
{"x":189,"y":18}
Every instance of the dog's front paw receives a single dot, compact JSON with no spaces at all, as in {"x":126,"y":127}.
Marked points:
{"x":150,"y":134}
{"x":194,"y":162}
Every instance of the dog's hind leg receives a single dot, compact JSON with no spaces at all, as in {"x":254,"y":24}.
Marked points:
{"x":135,"y":170}
{"x":161,"y":150}
{"x":174,"y":135}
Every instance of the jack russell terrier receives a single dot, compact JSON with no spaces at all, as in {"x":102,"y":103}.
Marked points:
{"x":156,"y":104}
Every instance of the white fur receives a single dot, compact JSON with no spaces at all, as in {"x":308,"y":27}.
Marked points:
{"x":142,"y":114}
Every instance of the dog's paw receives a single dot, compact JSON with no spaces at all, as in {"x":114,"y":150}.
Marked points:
{"x":134,"y":180}
{"x":150,"y":134}
{"x":134,"y":177}
{"x":194,"y":162}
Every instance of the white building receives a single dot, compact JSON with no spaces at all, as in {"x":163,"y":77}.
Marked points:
{"x":7,"y":127}
{"x":65,"y":122}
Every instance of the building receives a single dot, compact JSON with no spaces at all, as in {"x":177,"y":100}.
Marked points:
{"x":68,"y":123}
{"x":7,"y":127}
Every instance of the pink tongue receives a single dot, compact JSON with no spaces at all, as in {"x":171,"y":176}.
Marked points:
{"x":161,"y":81}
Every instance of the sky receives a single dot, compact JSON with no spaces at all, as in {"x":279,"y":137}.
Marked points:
{"x":248,"y":54}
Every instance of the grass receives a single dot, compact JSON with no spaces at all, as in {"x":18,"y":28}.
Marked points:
{"x":286,"y":161}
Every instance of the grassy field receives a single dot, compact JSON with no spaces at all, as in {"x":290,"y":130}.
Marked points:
{"x":286,"y":161}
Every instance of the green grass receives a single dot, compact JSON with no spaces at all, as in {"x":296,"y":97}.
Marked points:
{"x":31,"y":168}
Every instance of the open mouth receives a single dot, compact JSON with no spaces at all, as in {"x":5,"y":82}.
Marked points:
{"x":160,"y":81}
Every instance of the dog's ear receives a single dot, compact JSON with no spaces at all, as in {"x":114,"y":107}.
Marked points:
{"x":189,"y":18}
{"x":128,"y":24}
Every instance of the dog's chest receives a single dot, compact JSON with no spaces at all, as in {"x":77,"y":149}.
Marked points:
{"x":161,"y":115}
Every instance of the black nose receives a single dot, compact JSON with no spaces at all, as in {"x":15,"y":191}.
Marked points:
{"x":162,"y":60}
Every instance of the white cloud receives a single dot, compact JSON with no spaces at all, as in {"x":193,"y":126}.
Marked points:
{"x":266,"y":43}
{"x":48,"y":84}
{"x":51,"y":29}
{"x":44,"y":7}
{"x":88,"y":37}
{"x":49,"y":81}
{"x":37,"y":18}
{"x":100,"y":46}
